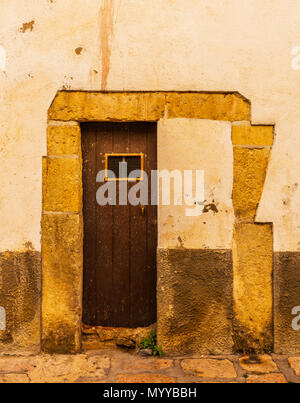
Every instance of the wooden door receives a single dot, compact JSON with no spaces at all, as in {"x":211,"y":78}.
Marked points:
{"x":120,"y":241}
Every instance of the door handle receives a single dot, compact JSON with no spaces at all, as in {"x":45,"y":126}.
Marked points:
{"x":142,"y":210}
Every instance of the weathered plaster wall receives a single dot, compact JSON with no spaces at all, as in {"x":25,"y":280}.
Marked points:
{"x":40,"y":58}
{"x":191,"y":144}
{"x":194,"y":257}
{"x":246,"y":46}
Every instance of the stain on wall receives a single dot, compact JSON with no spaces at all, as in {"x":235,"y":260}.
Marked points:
{"x":106,"y":33}
{"x":27,"y":26}
{"x":78,"y":51}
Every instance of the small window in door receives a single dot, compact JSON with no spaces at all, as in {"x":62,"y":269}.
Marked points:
{"x":118,"y":167}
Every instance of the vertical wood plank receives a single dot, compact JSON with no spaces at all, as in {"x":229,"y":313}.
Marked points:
{"x":119,"y":243}
{"x":151,"y":235}
{"x":89,"y":213}
{"x":121,"y":234}
{"x":138,"y":240}
{"x":104,"y":235}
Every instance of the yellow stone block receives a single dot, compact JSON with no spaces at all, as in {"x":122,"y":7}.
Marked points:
{"x":64,"y":140}
{"x":228,"y":107}
{"x":147,"y":106}
{"x":114,"y":106}
{"x":250,"y":168}
{"x":253,"y":135}
{"x":62,"y":184}
{"x":62,"y":251}
{"x":252,"y":285}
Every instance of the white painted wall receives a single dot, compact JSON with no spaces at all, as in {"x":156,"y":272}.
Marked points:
{"x":215,"y":45}
{"x":204,"y":145}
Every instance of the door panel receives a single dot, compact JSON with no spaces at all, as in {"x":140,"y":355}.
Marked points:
{"x":119,"y":241}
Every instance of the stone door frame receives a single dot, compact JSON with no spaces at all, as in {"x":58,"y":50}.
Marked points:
{"x":62,"y":221}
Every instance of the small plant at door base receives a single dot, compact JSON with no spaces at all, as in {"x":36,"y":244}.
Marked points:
{"x":149,"y":343}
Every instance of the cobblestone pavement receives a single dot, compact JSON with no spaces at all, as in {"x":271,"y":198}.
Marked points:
{"x":114,"y":366}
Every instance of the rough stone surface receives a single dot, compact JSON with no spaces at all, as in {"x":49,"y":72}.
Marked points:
{"x":286,"y":298}
{"x":252,"y":135}
{"x":62,"y":368}
{"x":64,"y":140}
{"x":119,"y":366}
{"x":143,"y":106}
{"x":250,"y":168}
{"x":231,"y":107}
{"x":62,"y":185}
{"x":253,"y":263}
{"x":14,"y":378}
{"x":147,"y":364}
{"x":194,"y":295}
{"x":258,"y":364}
{"x":295,"y":364}
{"x":99,"y":337}
{"x":97,"y":106}
{"x":267,"y":378}
{"x":145,"y":378}
{"x":209,"y":368}
{"x":15,"y":364}
{"x":20,"y":287}
{"x":145,"y":352}
{"x":62,"y":282}
{"x":125,"y":342}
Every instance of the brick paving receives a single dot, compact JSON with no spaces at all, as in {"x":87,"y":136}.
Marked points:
{"x":117,"y":366}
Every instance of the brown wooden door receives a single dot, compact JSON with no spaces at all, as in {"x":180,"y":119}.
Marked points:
{"x":119,"y":241}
